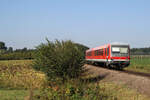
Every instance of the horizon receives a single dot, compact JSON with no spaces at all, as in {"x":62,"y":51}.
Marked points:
{"x":74,"y":42}
{"x":91,"y":23}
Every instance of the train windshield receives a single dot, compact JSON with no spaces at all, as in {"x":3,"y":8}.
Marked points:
{"x":120,"y":51}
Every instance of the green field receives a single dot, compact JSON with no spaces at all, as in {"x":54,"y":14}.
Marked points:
{"x":18,"y":79}
{"x":140,"y":64}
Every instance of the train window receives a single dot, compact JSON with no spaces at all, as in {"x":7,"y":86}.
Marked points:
{"x":115,"y":49}
{"x":100,"y":52}
{"x":123,"y":50}
{"x":96,"y":52}
{"x":89,"y":54}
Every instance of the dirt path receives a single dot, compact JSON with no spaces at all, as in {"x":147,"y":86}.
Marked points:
{"x":139,"y":83}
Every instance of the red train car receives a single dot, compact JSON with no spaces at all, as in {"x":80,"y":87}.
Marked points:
{"x":111,"y":55}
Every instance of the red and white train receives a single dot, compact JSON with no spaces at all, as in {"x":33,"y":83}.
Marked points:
{"x":111,"y":55}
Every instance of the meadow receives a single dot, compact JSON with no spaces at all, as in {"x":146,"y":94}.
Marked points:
{"x":19,"y":81}
{"x":140,"y":63}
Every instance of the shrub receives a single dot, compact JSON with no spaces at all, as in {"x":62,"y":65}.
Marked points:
{"x":74,"y":90}
{"x":59,"y":59}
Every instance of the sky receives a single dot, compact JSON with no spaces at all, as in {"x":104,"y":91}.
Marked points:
{"x":26,"y":23}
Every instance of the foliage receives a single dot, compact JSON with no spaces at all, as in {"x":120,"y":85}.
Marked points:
{"x":17,"y":55}
{"x":80,"y":90}
{"x":140,"y":51}
{"x":7,"y":53}
{"x":10,"y":50}
{"x":2,"y":46}
{"x":82,"y":47}
{"x":59,"y":59}
{"x":72,"y":90}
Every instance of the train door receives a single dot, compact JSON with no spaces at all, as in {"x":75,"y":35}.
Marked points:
{"x":107,"y":53}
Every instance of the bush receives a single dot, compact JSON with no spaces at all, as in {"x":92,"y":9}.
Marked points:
{"x":59,"y":59}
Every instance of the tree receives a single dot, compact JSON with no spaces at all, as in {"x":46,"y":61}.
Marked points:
{"x":2,"y":46}
{"x":10,"y":49}
{"x":24,"y":49}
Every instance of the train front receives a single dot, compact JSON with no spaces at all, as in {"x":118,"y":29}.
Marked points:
{"x":120,"y":55}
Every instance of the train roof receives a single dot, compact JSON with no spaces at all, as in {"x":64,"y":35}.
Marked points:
{"x":105,"y":46}
{"x":118,"y":43}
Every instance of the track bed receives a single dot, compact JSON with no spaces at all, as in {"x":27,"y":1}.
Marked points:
{"x":135,"y":80}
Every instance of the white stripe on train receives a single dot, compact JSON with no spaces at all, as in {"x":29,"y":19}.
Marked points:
{"x":105,"y":60}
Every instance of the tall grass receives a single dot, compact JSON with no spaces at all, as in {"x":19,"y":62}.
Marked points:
{"x":20,"y":75}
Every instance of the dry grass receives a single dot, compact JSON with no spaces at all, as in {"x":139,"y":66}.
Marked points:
{"x":19,"y":74}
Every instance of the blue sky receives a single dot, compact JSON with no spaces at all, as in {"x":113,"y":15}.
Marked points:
{"x":26,"y":23}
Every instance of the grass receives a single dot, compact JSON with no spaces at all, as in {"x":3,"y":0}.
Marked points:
{"x":15,"y":62}
{"x":18,"y":79}
{"x":140,"y":64}
{"x":19,"y":74}
{"x":6,"y":94}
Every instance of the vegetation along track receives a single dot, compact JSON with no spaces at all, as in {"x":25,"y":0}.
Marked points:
{"x":135,"y":80}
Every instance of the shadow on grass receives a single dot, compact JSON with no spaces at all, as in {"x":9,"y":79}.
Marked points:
{"x":137,"y":73}
{"x":94,"y":79}
{"x":10,"y":88}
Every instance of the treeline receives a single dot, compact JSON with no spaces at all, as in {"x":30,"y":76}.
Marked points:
{"x":17,"y":55}
{"x":7,"y":53}
{"x":140,"y":51}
